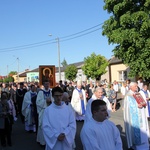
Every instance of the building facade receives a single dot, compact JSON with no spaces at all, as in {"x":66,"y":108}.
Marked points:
{"x":116,"y":70}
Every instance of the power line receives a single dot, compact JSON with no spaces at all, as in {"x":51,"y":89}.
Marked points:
{"x":27,"y":47}
{"x":42,"y":43}
{"x":12,"y":63}
{"x":81,"y":31}
{"x":80,"y":35}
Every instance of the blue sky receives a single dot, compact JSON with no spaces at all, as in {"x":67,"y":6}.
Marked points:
{"x":26,"y":24}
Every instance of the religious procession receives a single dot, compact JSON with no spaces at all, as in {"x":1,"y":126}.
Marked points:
{"x":52,"y":114}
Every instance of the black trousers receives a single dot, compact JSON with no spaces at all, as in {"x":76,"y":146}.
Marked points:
{"x":5,"y":134}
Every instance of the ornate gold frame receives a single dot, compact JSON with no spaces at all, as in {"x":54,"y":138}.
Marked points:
{"x":42,"y":70}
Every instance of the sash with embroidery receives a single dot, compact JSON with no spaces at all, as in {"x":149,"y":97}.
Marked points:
{"x":47,"y":94}
{"x":33,"y":100}
{"x":82,"y":101}
{"x":135,"y":117}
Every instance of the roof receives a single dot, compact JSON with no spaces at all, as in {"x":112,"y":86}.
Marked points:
{"x":23,"y":74}
{"x":78,"y":65}
{"x":114,"y":60}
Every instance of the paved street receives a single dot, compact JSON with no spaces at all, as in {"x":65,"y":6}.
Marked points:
{"x":22,"y":140}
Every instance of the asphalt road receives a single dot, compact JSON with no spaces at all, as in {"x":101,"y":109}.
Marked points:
{"x":22,"y":140}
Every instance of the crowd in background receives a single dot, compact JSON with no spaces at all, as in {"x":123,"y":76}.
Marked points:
{"x":29,"y":100}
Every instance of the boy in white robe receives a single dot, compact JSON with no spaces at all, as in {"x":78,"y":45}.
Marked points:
{"x":65,"y":98}
{"x":99,"y":133}
{"x":59,"y":125}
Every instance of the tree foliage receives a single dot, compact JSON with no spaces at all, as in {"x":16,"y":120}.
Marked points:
{"x":8,"y":79}
{"x":129,"y":29}
{"x":95,"y":66}
{"x":71,"y":72}
{"x":12,"y":73}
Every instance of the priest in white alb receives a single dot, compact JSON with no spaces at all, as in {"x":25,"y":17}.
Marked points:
{"x":79,"y":101}
{"x":135,"y":120}
{"x":98,"y":94}
{"x":44,"y":99}
{"x":28,"y":109}
{"x":146,"y":96}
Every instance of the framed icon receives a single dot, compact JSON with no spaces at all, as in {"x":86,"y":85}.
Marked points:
{"x":47,"y":73}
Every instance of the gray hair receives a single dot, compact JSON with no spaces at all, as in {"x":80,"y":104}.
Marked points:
{"x":97,"y":89}
{"x":65,"y":96}
{"x":132,"y":84}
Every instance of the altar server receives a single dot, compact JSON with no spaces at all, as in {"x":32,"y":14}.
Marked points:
{"x":99,"y":133}
{"x":59,"y":125}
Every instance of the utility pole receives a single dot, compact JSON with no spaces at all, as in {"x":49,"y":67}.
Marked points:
{"x":7,"y":70}
{"x":58,"y":58}
{"x":58,"y":46}
{"x":18,"y":69}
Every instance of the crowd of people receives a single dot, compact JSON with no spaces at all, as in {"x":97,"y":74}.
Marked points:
{"x":52,"y":113}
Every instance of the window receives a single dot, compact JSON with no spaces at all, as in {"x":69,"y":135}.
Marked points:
{"x":122,"y":75}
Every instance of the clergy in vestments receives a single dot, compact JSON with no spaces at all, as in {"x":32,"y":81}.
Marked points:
{"x":146,"y":96}
{"x":98,"y":94}
{"x":44,"y":99}
{"x":79,"y":101}
{"x":135,"y":120}
{"x":59,"y":125}
{"x":28,"y":109}
{"x":99,"y":133}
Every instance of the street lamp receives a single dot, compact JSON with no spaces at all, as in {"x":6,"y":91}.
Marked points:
{"x":58,"y":46}
{"x":18,"y":69}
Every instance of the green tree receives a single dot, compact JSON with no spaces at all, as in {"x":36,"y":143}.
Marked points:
{"x":95,"y":66}
{"x":70,"y":72}
{"x":64,"y":63}
{"x":12,"y":73}
{"x":129,"y":28}
{"x":8,"y":79}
